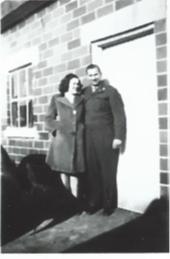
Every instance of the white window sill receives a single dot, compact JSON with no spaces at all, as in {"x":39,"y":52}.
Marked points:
{"x":20,"y":132}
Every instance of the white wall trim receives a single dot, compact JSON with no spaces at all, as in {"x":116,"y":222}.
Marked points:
{"x":21,"y":58}
{"x":133,"y":16}
{"x":23,"y":132}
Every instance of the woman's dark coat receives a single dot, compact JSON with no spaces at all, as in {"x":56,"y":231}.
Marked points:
{"x":66,"y":152}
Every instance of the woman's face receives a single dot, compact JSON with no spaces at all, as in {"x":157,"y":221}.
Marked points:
{"x":74,"y":86}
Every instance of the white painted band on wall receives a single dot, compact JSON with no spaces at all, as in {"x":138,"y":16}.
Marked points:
{"x":138,"y":14}
{"x":21,"y":58}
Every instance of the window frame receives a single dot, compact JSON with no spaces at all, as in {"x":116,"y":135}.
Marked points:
{"x":14,"y":63}
{"x":27,"y":98}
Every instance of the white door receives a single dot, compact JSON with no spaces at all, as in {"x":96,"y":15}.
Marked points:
{"x":131,"y":68}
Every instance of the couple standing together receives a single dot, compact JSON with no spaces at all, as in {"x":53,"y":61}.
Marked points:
{"x":88,"y":129}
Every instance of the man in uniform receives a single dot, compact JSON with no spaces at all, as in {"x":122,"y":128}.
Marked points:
{"x":105,"y":123}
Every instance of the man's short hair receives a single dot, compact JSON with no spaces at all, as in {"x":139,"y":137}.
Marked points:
{"x":91,"y":66}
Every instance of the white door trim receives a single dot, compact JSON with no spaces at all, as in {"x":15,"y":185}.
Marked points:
{"x":125,"y":36}
{"x":97,"y":46}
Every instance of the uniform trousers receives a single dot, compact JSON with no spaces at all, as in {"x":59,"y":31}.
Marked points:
{"x":102,"y":161}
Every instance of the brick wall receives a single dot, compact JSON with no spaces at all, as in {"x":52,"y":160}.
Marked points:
{"x":56,"y":30}
{"x":161,"y":55}
{"x":163,"y":78}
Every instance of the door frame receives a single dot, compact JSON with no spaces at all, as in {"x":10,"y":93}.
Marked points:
{"x":99,"y":45}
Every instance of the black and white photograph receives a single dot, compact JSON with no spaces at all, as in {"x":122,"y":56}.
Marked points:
{"x":85,"y":127}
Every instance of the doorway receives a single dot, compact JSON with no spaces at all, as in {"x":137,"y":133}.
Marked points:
{"x":131,"y":68}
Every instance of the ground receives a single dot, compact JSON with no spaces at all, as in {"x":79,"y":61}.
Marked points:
{"x":55,"y":238}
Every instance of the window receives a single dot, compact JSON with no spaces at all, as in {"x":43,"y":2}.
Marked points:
{"x":17,"y":70}
{"x":21,"y":97}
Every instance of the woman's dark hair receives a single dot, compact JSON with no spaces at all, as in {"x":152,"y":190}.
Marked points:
{"x":64,"y":84}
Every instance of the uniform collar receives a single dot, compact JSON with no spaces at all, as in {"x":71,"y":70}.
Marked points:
{"x":100,"y":89}
{"x":77,"y":101}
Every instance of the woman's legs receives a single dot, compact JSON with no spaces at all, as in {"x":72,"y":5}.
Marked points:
{"x":77,"y":185}
{"x":82,"y":193}
{"x":66,"y":181}
{"x":74,"y":185}
{"x":71,"y":183}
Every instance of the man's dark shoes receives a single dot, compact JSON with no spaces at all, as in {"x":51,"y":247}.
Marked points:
{"x":108,"y":211}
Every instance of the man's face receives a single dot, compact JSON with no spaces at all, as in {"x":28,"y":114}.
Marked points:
{"x":94,"y":76}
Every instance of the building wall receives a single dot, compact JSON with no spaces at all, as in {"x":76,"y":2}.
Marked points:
{"x":162,"y":64}
{"x":56,"y":31}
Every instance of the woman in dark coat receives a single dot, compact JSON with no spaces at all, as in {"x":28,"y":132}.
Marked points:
{"x":65,"y":120}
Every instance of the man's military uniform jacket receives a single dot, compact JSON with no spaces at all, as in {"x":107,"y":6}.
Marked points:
{"x":104,"y":108}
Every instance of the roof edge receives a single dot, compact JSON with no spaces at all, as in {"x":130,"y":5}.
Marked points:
{"x":23,"y":12}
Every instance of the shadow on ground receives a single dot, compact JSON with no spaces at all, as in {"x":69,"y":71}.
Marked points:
{"x":147,"y":233}
{"x":31,"y":193}
{"x":31,"y":212}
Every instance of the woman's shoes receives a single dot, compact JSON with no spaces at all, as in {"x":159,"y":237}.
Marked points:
{"x":82,"y":207}
{"x":91,"y":209}
{"x":108,"y":211}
